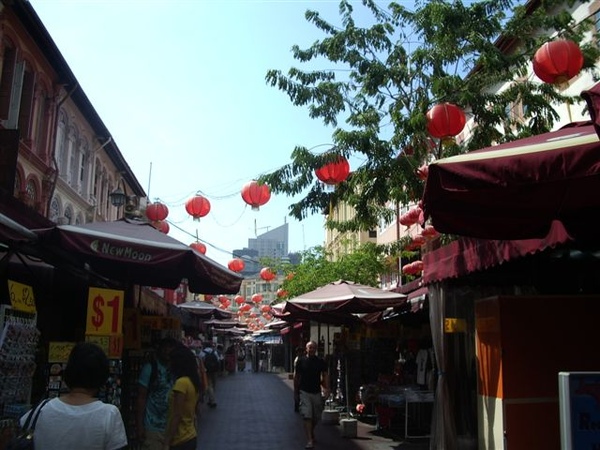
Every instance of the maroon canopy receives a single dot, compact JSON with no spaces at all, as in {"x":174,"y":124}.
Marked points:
{"x":135,"y":252}
{"x":205,"y":310}
{"x":346,"y":297}
{"x":516,"y":190}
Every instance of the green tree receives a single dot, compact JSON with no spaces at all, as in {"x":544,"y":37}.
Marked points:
{"x":317,"y":268}
{"x":386,"y":77}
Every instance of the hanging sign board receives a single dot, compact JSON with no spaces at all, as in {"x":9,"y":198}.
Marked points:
{"x":59,"y":351}
{"x":21,"y":296}
{"x":454,"y":325}
{"x":104,"y":312}
{"x":112,"y":345}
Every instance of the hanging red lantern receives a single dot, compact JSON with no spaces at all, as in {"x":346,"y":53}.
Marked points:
{"x":162,"y":226}
{"x":199,"y":247}
{"x":266,"y":274}
{"x":444,"y":121}
{"x":281,"y":293}
{"x":236,"y":264}
{"x":238,"y":299}
{"x":334,"y":172}
{"x":256,"y":298}
{"x":256,"y":194}
{"x":556,"y":62}
{"x":423,"y":172}
{"x":265,"y":308}
{"x":197,"y":206}
{"x":429,"y":232}
{"x":157,"y":211}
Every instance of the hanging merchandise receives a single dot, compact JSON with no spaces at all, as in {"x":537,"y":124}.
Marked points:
{"x":18,"y":345}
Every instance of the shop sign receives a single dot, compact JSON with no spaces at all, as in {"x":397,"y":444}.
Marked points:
{"x":59,"y":351}
{"x":454,"y":325}
{"x":21,"y":296}
{"x":104,"y":312}
{"x":112,"y":345}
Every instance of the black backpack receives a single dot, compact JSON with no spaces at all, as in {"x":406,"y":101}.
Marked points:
{"x":211,"y":362}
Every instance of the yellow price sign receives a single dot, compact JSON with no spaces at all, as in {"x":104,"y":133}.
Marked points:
{"x":104,"y":312}
{"x":454,"y":325}
{"x":21,"y":296}
{"x":59,"y":351}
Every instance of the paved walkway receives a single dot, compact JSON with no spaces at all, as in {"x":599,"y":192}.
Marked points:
{"x":255,"y":411}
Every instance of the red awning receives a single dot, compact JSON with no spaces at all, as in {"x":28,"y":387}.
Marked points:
{"x":516,"y":190}
{"x":467,"y":255}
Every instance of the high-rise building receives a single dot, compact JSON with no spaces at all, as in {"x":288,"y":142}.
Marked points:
{"x":272,"y":244}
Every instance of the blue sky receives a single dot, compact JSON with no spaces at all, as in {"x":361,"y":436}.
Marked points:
{"x":180,"y":84}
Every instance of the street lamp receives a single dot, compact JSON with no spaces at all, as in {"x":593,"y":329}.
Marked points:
{"x":119,"y":198}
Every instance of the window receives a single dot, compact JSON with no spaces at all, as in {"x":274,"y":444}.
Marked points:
{"x":9,"y":58}
{"x":26,"y":104}
{"x":372,"y":234}
{"x":31,"y":191}
{"x":40,"y":124}
{"x":54,"y":210}
{"x":17,"y":183}
{"x":60,"y":144}
{"x":69,"y":215}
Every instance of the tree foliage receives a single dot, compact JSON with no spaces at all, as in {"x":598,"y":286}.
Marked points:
{"x":317,"y":269}
{"x":388,"y":74}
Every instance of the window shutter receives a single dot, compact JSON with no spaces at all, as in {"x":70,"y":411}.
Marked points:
{"x":15,"y":96}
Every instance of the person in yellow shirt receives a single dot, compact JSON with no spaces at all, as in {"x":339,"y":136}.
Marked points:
{"x":181,"y":431}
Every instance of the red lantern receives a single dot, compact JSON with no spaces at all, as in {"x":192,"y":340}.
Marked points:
{"x":429,"y":232}
{"x":334,"y":172}
{"x":281,"y":293}
{"x":236,"y":264}
{"x":265,"y":308}
{"x":423,"y":172}
{"x":257,"y":298}
{"x":199,"y":247}
{"x":444,"y":121}
{"x":197,"y":207}
{"x":161,"y":226}
{"x":238,"y":299}
{"x":256,"y":194}
{"x":558,"y":61}
{"x":157,"y":211}
{"x":266,"y":274}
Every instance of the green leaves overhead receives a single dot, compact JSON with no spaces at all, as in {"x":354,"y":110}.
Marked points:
{"x":388,"y":66}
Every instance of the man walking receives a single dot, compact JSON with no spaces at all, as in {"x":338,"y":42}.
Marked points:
{"x":311,"y":386}
{"x":210,"y":358}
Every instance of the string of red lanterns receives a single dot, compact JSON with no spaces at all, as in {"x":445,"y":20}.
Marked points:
{"x":267,"y":274}
{"x":199,"y":247}
{"x":256,"y":194}
{"x":236,"y":265}
{"x":445,"y":121}
{"x":334,"y":172}
{"x":197,"y":206}
{"x":558,"y":61}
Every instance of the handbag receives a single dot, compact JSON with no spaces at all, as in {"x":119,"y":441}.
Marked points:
{"x":24,"y":439}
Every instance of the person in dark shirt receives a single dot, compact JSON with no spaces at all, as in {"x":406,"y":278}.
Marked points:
{"x":311,"y":387}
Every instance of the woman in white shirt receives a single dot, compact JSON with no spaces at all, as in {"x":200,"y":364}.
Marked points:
{"x":78,"y":419}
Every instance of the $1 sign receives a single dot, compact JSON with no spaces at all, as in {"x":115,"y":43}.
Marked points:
{"x":105,"y":311}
